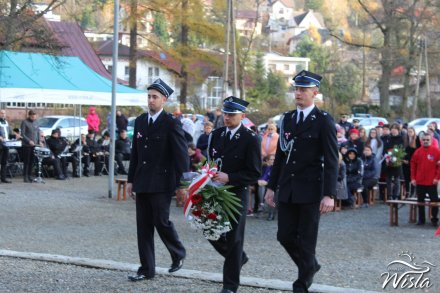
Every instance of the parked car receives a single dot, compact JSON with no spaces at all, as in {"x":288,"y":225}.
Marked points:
{"x":421,"y":124}
{"x":370,"y":122}
{"x":71,"y":126}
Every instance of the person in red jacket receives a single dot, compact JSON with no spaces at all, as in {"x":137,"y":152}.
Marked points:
{"x":425,"y":174}
{"x":93,"y":120}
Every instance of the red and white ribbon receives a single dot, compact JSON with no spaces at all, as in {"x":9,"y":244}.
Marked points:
{"x":437,"y":233}
{"x":198,"y":183}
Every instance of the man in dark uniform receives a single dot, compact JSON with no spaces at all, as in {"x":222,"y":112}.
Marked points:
{"x":236,"y":150}
{"x":80,"y":150}
{"x":305,"y":171}
{"x":57,"y":145}
{"x":159,"y":156}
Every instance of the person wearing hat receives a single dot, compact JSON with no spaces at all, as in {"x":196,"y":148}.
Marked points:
{"x":305,"y":173}
{"x":159,"y":156}
{"x":30,"y":133}
{"x":354,"y":141}
{"x":57,"y":145}
{"x":343,"y":122}
{"x":236,"y":150}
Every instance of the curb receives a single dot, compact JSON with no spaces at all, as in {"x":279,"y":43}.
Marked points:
{"x":183,"y":273}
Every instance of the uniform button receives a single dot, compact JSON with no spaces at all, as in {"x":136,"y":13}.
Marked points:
{"x":293,"y":175}
{"x":146,"y":138}
{"x":144,"y":162}
{"x":223,"y":156}
{"x":294,"y":162}
{"x":294,"y":150}
{"x":295,"y":137}
{"x":145,"y":146}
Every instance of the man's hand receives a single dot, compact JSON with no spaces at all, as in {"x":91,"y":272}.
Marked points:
{"x":327,"y":205}
{"x":130,"y":191}
{"x":262,"y":182}
{"x":221,"y":177}
{"x":435,"y":181}
{"x":413,"y":182}
{"x":269,"y":197}
{"x":32,"y":143}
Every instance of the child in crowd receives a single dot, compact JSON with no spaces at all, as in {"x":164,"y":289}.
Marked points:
{"x":355,"y":170}
{"x":262,"y":182}
{"x":370,"y":176}
{"x":341,"y":185}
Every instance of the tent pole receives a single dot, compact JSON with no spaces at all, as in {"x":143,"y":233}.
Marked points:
{"x":111,"y":175}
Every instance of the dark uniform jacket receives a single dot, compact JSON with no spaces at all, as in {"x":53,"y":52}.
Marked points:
{"x":123,"y":146}
{"x":159,"y":154}
{"x":56,"y":145}
{"x":240,"y":158}
{"x":312,"y":168}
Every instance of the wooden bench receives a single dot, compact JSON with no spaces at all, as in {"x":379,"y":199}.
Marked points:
{"x":413,"y":204}
{"x":122,"y":186}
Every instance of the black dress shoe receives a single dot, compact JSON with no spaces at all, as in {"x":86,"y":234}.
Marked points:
{"x":226,"y":291}
{"x":299,"y":287}
{"x":6,"y":181}
{"x":176,"y":265}
{"x":139,"y":277}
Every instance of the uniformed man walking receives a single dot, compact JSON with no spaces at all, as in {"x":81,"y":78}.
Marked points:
{"x":236,"y":150}
{"x":305,"y":172}
{"x":159,"y":156}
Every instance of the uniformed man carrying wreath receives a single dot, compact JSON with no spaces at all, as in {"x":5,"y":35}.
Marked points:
{"x":305,"y":172}
{"x":159,"y":156}
{"x":236,"y":150}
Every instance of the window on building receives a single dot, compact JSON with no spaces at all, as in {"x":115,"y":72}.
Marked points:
{"x":281,"y":11}
{"x":286,"y":67}
{"x":127,"y":70}
{"x":272,"y":67}
{"x":109,"y":68}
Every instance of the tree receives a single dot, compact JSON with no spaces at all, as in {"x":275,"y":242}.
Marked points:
{"x":21,"y":26}
{"x":346,"y":83}
{"x":313,"y":4}
{"x":160,"y":28}
{"x":397,"y":25}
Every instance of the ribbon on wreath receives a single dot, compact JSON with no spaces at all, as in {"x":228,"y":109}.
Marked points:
{"x":198,"y":183}
{"x":437,"y":233}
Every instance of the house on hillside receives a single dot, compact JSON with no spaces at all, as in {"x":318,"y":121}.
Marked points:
{"x":282,"y":30}
{"x":288,"y":67}
{"x":246,"y":22}
{"x":206,"y":80}
{"x":325,"y":39}
{"x":150,"y":66}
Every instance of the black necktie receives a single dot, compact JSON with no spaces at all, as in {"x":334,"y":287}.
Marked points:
{"x":301,"y":118}
{"x":150,"y":123}
{"x":228,"y":136}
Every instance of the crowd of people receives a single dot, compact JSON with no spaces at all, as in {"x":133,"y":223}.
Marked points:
{"x":27,"y":145}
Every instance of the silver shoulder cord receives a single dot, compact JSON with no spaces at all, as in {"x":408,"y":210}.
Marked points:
{"x":284,"y":145}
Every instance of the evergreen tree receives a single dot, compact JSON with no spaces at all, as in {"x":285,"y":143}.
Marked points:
{"x":160,"y":28}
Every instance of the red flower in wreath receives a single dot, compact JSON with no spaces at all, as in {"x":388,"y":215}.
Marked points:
{"x":212,"y":216}
{"x":196,"y":199}
{"x":197,"y":213}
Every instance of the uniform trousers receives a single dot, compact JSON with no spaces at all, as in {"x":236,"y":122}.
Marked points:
{"x":230,"y":246}
{"x":28,"y":161}
{"x":431,"y":190}
{"x":153,"y":211}
{"x":298,"y":232}
{"x":4,"y":153}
